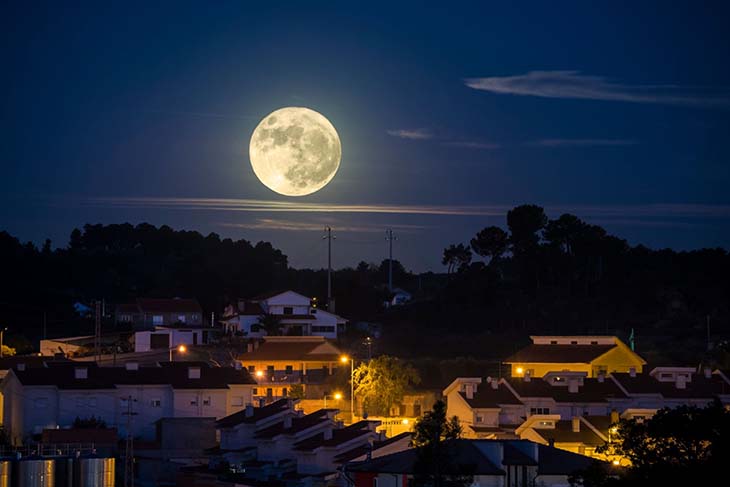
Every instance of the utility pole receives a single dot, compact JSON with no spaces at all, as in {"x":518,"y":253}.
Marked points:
{"x":129,"y":447}
{"x":329,"y":238}
{"x":389,"y":237}
{"x":709,"y":343}
{"x":97,"y":332}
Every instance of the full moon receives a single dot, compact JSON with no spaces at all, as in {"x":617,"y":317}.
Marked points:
{"x":295,"y":151}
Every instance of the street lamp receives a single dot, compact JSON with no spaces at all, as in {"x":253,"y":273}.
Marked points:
{"x":2,"y":337}
{"x":344,"y":359}
{"x":181,"y":348}
{"x":337,"y":396}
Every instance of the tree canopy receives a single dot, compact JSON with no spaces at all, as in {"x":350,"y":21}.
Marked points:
{"x":382,"y":382}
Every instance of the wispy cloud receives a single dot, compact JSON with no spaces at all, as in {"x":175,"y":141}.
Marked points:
{"x":411,"y":134}
{"x":582,"y":142}
{"x":573,"y":84}
{"x":272,"y":206}
{"x":317,"y":226}
{"x":473,"y":145}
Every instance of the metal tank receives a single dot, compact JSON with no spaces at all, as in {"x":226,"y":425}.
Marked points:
{"x":36,"y":472}
{"x":96,"y":472}
{"x":6,"y":467}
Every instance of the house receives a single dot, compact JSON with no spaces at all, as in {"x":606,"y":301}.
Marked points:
{"x":296,"y":314}
{"x":167,"y":337}
{"x":491,"y":462}
{"x":55,"y":395}
{"x":594,"y":355}
{"x":277,"y":363}
{"x":276,"y":433}
{"x":147,"y":313}
{"x":571,"y":410}
{"x":398,"y":297}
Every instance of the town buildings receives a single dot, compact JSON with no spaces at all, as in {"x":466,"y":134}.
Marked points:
{"x":147,"y":313}
{"x":293,"y":313}
{"x":55,"y":395}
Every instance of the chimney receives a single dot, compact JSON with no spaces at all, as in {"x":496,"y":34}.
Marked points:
{"x":526,"y":378}
{"x":20,"y":367}
{"x":249,"y":410}
{"x":632,"y":371}
{"x":576,"y":424}
{"x":681,"y":382}
{"x":708,"y":373}
{"x":287,"y":422}
{"x":249,"y":347}
{"x":573,"y":386}
{"x":131,"y":366}
{"x":328,"y":434}
{"x":614,"y":416}
{"x":551,"y":442}
{"x":601,"y":378}
{"x":495,"y":384}
{"x":193,"y":372}
{"x":81,"y":373}
{"x":470,"y":391}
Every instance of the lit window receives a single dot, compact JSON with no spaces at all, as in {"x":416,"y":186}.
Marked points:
{"x":157,"y":319}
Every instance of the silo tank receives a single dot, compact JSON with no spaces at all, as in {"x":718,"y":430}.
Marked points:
{"x":96,"y":472}
{"x":6,"y":467}
{"x":36,"y":472}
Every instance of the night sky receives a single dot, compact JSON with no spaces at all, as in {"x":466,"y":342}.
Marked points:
{"x":618,"y":112}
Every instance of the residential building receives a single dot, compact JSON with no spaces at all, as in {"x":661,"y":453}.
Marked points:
{"x":278,"y":362}
{"x":570,"y":409}
{"x":276,"y":433}
{"x":54,"y":396}
{"x":491,"y":462}
{"x":296,"y":314}
{"x":147,"y":313}
{"x":594,"y":355}
{"x":166,"y":337}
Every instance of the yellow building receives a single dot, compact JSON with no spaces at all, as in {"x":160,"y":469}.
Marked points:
{"x":594,"y":355}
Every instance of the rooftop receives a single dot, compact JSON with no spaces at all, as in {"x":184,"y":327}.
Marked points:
{"x":572,"y":354}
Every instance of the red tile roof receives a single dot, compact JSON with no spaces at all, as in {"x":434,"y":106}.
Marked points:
{"x":592,"y":390}
{"x":290,"y":350}
{"x":297,"y":424}
{"x":563,"y":433}
{"x":62,"y":375}
{"x":572,"y":354}
{"x":699,"y":387}
{"x":487,"y":397}
{"x":175,"y":305}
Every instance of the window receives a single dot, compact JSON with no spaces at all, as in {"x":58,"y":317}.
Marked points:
{"x":289,"y":370}
{"x":237,"y":401}
{"x":252,"y":368}
{"x":480,"y":419}
{"x":206,"y":401}
{"x":157,"y":319}
{"x":270,"y":369}
{"x":194,"y":401}
{"x":546,"y":424}
{"x":553,"y":342}
{"x":539,"y":411}
{"x":40,"y":403}
{"x":125,"y":318}
{"x":155,"y":403}
{"x":269,"y":392}
{"x":574,"y":342}
{"x":322,"y":329}
{"x":283,"y":392}
{"x":255,"y":391}
{"x":181,"y":318}
{"x":288,"y":310}
{"x":594,"y":342}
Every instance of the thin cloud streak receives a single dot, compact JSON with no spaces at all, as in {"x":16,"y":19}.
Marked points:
{"x":574,"y":85}
{"x":292,"y":225}
{"x":473,"y":145}
{"x":411,"y":134}
{"x":582,"y":142}
{"x":252,"y":205}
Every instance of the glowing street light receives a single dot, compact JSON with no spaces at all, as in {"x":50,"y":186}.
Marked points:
{"x":336,"y":396}
{"x":181,"y":349}
{"x":519,"y":370}
{"x":259,"y":373}
{"x":344,"y":359}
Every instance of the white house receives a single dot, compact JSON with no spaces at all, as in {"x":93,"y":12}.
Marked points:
{"x":54,"y":396}
{"x":166,"y":337}
{"x":297,"y":314}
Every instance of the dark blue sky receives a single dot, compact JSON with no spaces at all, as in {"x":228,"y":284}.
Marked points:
{"x":618,"y":112}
